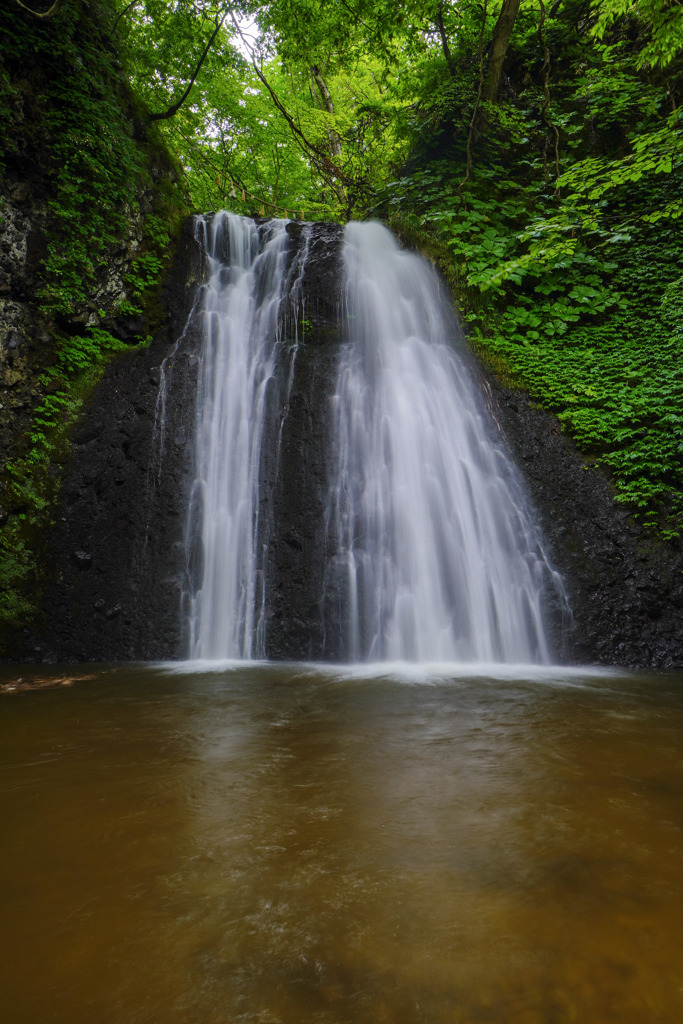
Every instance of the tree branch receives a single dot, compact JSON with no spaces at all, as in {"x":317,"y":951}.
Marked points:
{"x":122,"y":14}
{"x":475,"y":112}
{"x":44,"y":15}
{"x":305,"y":144}
{"x":546,"y":92}
{"x":175,"y":107}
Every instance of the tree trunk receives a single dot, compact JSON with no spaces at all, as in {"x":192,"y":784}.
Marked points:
{"x":333,"y":139}
{"x":444,"y":41}
{"x":500,"y":41}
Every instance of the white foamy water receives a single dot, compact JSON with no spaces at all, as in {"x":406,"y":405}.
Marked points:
{"x":247,"y":278}
{"x":437,"y":557}
{"x":433,"y":551}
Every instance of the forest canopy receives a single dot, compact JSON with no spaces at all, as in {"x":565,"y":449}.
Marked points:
{"x":313,"y":104}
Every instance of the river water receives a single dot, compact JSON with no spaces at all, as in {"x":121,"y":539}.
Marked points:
{"x":292,"y":843}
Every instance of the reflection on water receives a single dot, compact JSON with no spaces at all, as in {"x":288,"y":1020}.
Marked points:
{"x":292,"y":844}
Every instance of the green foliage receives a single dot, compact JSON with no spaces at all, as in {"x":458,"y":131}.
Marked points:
{"x":571,"y":285}
{"x":661,"y":20}
{"x":95,"y":173}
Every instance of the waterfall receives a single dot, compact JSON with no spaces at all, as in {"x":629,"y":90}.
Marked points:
{"x":435,"y":553}
{"x":426,"y":549}
{"x":249,"y":274}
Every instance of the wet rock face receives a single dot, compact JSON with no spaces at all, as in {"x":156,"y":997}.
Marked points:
{"x":116,"y":559}
{"x":294,"y":477}
{"x":119,"y":559}
{"x":625,"y":587}
{"x":297,"y":547}
{"x":24,"y":334}
{"x":119,"y":556}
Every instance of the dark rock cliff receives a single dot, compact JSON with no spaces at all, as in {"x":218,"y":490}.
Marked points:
{"x":24,"y":332}
{"x":118,"y":555}
{"x":297,"y":548}
{"x":625,"y":585}
{"x":118,"y":558}
{"x":116,"y":561}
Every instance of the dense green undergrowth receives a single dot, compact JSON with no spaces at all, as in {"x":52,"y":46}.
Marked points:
{"x":572,"y":288}
{"x":68,"y":126}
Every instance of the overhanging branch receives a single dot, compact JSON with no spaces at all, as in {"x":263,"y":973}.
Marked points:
{"x":42,"y":15}
{"x":122,"y":14}
{"x":327,"y":166}
{"x":175,"y":107}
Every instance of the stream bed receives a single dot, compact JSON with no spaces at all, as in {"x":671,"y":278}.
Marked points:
{"x":250,"y":842}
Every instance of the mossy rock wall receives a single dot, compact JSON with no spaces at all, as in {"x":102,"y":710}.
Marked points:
{"x":91,"y":205}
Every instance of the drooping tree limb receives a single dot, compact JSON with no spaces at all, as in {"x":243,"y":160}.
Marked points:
{"x":475,"y":112}
{"x":303,"y":142}
{"x":175,"y":107}
{"x":342,"y":184}
{"x":546,"y":103}
{"x":42,"y":15}
{"x":299,"y":136}
{"x":325,"y":164}
{"x":444,"y":39}
{"x":122,"y":14}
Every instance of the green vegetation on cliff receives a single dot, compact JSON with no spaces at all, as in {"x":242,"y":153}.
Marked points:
{"x":97,"y":195}
{"x":572,"y":284}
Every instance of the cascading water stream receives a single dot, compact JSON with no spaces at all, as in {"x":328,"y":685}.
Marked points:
{"x":436,"y":556}
{"x":248,"y":276}
{"x":432,"y":553}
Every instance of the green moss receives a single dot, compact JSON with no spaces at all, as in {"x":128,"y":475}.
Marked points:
{"x":72,"y":127}
{"x":587,"y":319}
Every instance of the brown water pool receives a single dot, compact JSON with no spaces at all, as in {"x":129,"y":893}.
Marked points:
{"x":295,"y":844}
